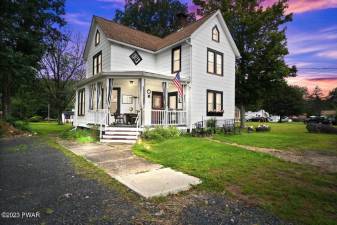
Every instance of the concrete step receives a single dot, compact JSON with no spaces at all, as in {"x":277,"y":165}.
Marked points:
{"x":120,"y":137}
{"x":121,"y":141}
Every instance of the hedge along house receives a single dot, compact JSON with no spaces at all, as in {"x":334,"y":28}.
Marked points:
{"x":130,"y":77}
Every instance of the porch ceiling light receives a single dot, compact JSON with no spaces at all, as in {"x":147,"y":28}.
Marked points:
{"x":131,"y":82}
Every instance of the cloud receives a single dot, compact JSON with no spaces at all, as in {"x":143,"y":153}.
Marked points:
{"x":328,"y":54}
{"x":77,"y":19}
{"x":325,"y":83}
{"x":301,"y":6}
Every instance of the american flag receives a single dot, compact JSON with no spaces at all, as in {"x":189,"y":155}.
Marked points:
{"x":177,"y":83}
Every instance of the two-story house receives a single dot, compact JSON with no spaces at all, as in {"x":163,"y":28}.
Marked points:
{"x":130,"y":77}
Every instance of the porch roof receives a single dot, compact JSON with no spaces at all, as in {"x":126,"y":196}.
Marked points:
{"x":128,"y":75}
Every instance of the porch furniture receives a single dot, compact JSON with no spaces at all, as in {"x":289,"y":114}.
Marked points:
{"x":119,"y":118}
{"x":130,"y":118}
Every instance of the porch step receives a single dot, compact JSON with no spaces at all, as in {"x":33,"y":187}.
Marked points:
{"x":120,"y":135}
{"x":121,"y":132}
{"x":118,"y":141}
{"x":122,"y":129}
{"x":134,"y":137}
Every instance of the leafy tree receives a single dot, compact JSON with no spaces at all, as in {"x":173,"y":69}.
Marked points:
{"x":315,"y":102}
{"x":154,"y":17}
{"x":286,"y":101}
{"x":24,"y":26}
{"x":332,"y":98}
{"x":259,"y":34}
{"x":61,"y":67}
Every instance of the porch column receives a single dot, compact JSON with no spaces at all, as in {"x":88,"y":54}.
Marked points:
{"x":141,"y":99}
{"x":165,"y":100}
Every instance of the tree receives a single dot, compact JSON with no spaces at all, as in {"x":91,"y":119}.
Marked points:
{"x":332,"y":98}
{"x":24,"y":26}
{"x":61,"y":67}
{"x":315,"y":102}
{"x":285,"y":101}
{"x":259,"y":34}
{"x":154,"y":17}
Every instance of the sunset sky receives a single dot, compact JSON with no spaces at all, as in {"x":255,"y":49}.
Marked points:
{"x":312,"y":36}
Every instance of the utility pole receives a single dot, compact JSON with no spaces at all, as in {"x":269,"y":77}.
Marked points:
{"x":48,"y":112}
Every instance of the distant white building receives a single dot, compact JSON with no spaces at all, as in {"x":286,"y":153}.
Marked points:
{"x":261,"y":113}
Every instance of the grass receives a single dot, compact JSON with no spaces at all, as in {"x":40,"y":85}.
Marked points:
{"x":285,"y":136}
{"x":81,"y":135}
{"x":46,"y":128}
{"x":294,"y":192}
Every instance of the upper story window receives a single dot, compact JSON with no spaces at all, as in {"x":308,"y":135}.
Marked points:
{"x":81,"y":102}
{"x":215,"y":34}
{"x":176,"y":59}
{"x":214,"y":103}
{"x":214,"y":62}
{"x":97,"y":63}
{"x":97,"y":38}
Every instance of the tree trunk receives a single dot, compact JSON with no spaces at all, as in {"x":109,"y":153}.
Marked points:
{"x":6,"y":98}
{"x":242,"y":116}
{"x":59,"y":117}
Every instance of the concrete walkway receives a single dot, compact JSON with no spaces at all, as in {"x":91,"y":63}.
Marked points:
{"x":145,"y":178}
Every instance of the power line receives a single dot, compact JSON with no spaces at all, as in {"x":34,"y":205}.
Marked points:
{"x":317,"y":68}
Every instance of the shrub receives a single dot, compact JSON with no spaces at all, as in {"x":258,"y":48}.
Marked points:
{"x":22,"y":125}
{"x":160,"y":133}
{"x":81,"y":135}
{"x":35,"y":119}
{"x":211,"y":123}
{"x":262,"y":128}
{"x":321,"y":128}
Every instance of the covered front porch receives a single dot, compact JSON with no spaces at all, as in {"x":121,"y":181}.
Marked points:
{"x":138,"y":100}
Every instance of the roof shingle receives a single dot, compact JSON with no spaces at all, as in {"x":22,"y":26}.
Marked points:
{"x":147,"y":41}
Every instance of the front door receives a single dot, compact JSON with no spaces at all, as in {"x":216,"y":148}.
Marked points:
{"x":115,"y":107}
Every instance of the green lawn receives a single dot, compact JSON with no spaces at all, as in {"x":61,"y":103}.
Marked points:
{"x":286,"y":136}
{"x":44,"y":128}
{"x":295,"y":192}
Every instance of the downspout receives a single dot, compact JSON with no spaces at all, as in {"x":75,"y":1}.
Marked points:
{"x":188,"y":86}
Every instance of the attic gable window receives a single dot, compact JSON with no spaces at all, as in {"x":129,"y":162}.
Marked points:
{"x":97,"y":38}
{"x":176,"y":59}
{"x":215,"y":34}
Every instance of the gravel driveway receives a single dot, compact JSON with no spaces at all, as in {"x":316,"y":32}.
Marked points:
{"x":38,"y":185}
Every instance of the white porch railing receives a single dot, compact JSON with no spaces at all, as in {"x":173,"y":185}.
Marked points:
{"x":163,"y":117}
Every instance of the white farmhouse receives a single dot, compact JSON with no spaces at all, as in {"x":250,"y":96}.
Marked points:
{"x":129,"y":77}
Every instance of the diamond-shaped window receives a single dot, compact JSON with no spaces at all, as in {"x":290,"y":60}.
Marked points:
{"x":135,"y":57}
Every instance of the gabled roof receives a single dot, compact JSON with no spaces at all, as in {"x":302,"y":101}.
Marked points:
{"x":120,"y":33}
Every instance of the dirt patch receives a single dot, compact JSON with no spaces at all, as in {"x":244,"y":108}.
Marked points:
{"x":323,"y":161}
{"x":8,"y":130}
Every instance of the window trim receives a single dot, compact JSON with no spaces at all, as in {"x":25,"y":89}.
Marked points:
{"x":93,"y":62}
{"x":172,"y":59}
{"x":99,"y":39}
{"x":80,"y":103}
{"x":217,"y":29}
{"x":209,"y":113}
{"x":215,"y":53}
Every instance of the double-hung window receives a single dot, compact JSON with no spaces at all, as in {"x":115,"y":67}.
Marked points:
{"x":81,"y":102}
{"x":176,"y":59}
{"x":97,"y":63}
{"x":214,"y":103}
{"x":214,"y":62}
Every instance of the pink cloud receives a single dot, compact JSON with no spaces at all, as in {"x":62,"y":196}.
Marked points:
{"x":300,"y":6}
{"x":328,"y":54}
{"x":326,"y":83}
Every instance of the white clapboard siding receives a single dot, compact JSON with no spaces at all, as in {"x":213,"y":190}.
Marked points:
{"x":103,"y":46}
{"x":201,"y":80}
